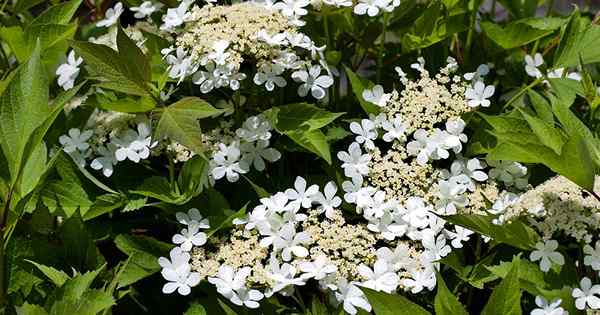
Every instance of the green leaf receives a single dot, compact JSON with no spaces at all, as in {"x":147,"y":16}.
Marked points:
{"x":521,"y":32}
{"x":515,"y":233}
{"x":579,"y":40}
{"x":179,"y":122}
{"x":433,"y":26}
{"x":112,"y":69}
{"x":58,"y":14}
{"x":506,"y":297}
{"x":15,"y":38}
{"x":23,"y":107}
{"x":301,"y":116}
{"x":134,"y":59}
{"x":58,"y":277}
{"x":129,"y":105}
{"x":541,"y":106}
{"x":358,"y":86}
{"x":226,"y":222}
{"x":314,"y":141}
{"x":195,"y":309}
{"x":159,"y":188}
{"x":104,"y":204}
{"x":90,"y":303}
{"x":445,"y":302}
{"x":392,"y":304}
{"x":31,"y":309}
{"x":260,"y":192}
{"x":548,"y":135}
{"x":193,"y":177}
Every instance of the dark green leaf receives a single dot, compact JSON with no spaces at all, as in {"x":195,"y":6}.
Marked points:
{"x":506,"y":297}
{"x":392,"y":304}
{"x":445,"y":302}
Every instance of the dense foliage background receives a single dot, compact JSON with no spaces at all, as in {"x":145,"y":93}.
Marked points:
{"x":74,"y":241}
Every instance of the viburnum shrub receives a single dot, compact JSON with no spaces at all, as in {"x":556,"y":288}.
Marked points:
{"x":299,"y":157}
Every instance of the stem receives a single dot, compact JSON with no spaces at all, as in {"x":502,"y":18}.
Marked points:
{"x":467,"y":47}
{"x":381,"y":47}
{"x":521,"y":92}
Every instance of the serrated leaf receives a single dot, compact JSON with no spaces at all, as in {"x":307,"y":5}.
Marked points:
{"x":579,"y":40}
{"x":58,"y":277}
{"x":392,"y":304}
{"x":90,"y":303}
{"x":521,"y":32}
{"x":445,"y":302}
{"x":179,"y":122}
{"x":134,"y":59}
{"x":129,"y":105}
{"x":114,"y":71}
{"x":314,"y":141}
{"x":302,"y":116}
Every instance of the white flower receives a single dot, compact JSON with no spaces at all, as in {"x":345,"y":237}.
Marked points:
{"x":352,"y":297}
{"x":176,"y":16}
{"x":416,"y":212}
{"x":313,"y":81}
{"x":478,"y":94}
{"x":546,"y":308}
{"x":509,"y":172}
{"x":355,"y":193}
{"x":317,"y":269}
{"x":465,"y":171}
{"x":145,"y":9}
{"x":180,"y":66}
{"x":106,"y":160}
{"x":133,"y":145}
{"x":376,"y":96}
{"x":67,"y":72}
{"x":482,"y":71}
{"x":292,"y":8}
{"x":547,"y":254}
{"x":255,"y":128}
{"x":558,"y":73}
{"x":111,"y":16}
{"x":219,"y":54}
{"x":247,"y":297}
{"x":380,"y":278}
{"x":227,"y":280}
{"x":328,"y":201}
{"x":396,"y":130}
{"x":75,"y":140}
{"x":178,"y":272}
{"x":587,"y":294}
{"x":190,"y":237}
{"x":278,"y":39}
{"x":338,"y":3}
{"x":370,"y":7}
{"x":290,"y":242}
{"x":355,"y":163}
{"x":419,"y":280}
{"x":255,"y":154}
{"x":435,"y":247}
{"x":420,"y":146}
{"x":397,"y":259}
{"x":592,"y":257}
{"x":301,"y":195}
{"x":455,"y":128}
{"x":192,"y":217}
{"x":450,"y":197}
{"x":365,"y":131}
{"x":227,"y":163}
{"x":460,"y":235}
{"x":284,"y":277}
{"x":269,"y":75}
{"x":532,"y":64}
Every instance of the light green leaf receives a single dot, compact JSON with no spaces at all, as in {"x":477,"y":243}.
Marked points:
{"x":130,"y":105}
{"x":515,"y":233}
{"x":225,"y":222}
{"x":31,"y":309}
{"x":58,"y":277}
{"x":195,"y":309}
{"x":506,"y":297}
{"x":23,"y":107}
{"x":15,"y":38}
{"x":541,"y":106}
{"x":90,"y":303}
{"x":193,"y":177}
{"x":104,"y":204}
{"x":521,"y":32}
{"x":392,"y":304}
{"x":179,"y":122}
{"x":445,"y":302}
{"x":159,"y":188}
{"x":548,"y":135}
{"x":314,"y":141}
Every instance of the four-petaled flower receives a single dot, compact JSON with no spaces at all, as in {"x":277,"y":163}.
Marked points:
{"x":547,"y":254}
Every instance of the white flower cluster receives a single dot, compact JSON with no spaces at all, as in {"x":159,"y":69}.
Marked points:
{"x":276,"y":50}
{"x":129,"y":144}
{"x":250,"y":147}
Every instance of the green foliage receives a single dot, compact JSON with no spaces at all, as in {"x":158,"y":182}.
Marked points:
{"x":521,"y":32}
{"x":506,"y":297}
{"x":392,"y":304}
{"x":445,"y":302}
{"x":579,"y":40}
